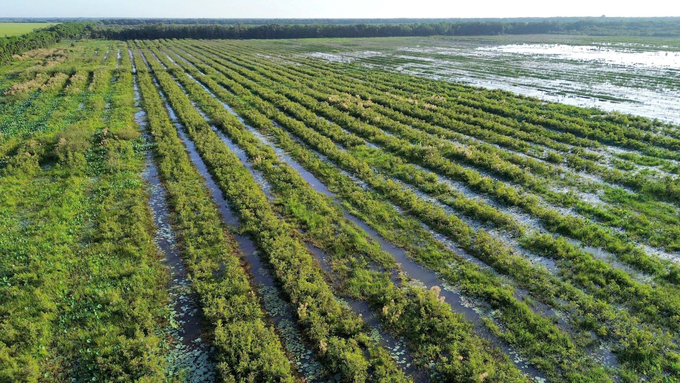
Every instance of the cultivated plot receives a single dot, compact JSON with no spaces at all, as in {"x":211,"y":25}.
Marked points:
{"x":330,"y":210}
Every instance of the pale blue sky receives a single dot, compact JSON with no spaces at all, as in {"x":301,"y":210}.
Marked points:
{"x":335,"y":8}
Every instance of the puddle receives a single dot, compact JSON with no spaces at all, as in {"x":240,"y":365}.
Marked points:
{"x":636,"y":79}
{"x":579,"y":76}
{"x":332,"y":57}
{"x":673,"y":257}
{"x":397,"y":347}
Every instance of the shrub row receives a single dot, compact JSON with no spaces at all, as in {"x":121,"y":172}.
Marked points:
{"x":429,"y":158}
{"x":346,"y":162}
{"x":532,"y":276}
{"x":247,"y":348}
{"x":326,"y":226}
{"x":81,"y":272}
{"x":337,"y":335}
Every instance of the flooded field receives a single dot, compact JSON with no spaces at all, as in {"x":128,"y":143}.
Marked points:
{"x":639,"y":78}
{"x":344,"y":210}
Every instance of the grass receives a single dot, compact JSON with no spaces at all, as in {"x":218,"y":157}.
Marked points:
{"x":17,"y":29}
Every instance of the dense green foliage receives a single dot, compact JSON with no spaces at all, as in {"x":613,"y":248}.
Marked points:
{"x":337,"y":334}
{"x":247,"y":348}
{"x":82,"y":296}
{"x":164,"y":29}
{"x":42,"y":38}
{"x":318,"y":218}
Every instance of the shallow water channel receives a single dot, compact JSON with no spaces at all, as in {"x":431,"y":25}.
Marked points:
{"x":191,"y":355}
{"x":279,"y":311}
{"x":396,"y":347}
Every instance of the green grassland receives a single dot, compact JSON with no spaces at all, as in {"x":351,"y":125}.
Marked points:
{"x":17,"y":29}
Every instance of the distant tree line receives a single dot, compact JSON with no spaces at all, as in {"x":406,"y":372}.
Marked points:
{"x":149,"y":21}
{"x":118,"y":29}
{"x":657,"y":21}
{"x":42,"y":38}
{"x":627,"y":27}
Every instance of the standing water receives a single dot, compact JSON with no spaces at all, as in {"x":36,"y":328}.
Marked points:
{"x":191,"y":355}
{"x":279,"y":311}
{"x":427,"y":278}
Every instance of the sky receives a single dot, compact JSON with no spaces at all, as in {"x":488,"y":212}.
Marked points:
{"x":336,"y":8}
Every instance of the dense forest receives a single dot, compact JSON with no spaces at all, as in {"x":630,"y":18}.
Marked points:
{"x":629,"y":27}
{"x":132,"y":21}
